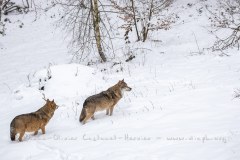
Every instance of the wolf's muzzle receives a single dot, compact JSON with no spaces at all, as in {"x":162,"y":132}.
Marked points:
{"x":129,"y":89}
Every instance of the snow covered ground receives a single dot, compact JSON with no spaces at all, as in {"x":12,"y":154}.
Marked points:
{"x":181,"y":106}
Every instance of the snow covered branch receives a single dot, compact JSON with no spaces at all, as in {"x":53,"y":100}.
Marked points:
{"x":144,"y":16}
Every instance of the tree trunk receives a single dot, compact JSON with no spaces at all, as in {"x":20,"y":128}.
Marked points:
{"x":145,"y":33}
{"x":96,"y":26}
{"x":1,"y":3}
{"x":135,"y":21}
{"x":146,"y":29}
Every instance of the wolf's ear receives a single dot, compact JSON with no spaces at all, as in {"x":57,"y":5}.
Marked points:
{"x":48,"y":100}
{"x":53,"y":101}
{"x":121,"y":81}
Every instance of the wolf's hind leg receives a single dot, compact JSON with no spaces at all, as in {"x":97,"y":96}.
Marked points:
{"x":21,"y":136}
{"x":13,"y":135}
{"x":43,"y":130}
{"x":35,"y":133}
{"x":89,"y":115}
{"x":107,"y":111}
{"x":93,"y":118}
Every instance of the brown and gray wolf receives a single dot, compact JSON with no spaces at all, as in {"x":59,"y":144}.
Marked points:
{"x":105,"y":100}
{"x":32,"y":122}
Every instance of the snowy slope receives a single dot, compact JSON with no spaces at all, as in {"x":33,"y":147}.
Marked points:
{"x":181,"y":106}
{"x":28,"y":49}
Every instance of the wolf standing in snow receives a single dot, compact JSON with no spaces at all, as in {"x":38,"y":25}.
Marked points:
{"x":105,"y":100}
{"x":32,"y":122}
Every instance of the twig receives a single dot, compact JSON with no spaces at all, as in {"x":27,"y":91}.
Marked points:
{"x":197,"y":43}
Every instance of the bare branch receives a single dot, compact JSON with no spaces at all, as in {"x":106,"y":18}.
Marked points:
{"x":226,"y":18}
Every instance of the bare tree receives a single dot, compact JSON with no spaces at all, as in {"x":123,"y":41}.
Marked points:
{"x":96,"y":27}
{"x":2,"y":25}
{"x":134,"y":18}
{"x":89,"y":26}
{"x":7,"y":6}
{"x":1,"y":2}
{"x":144,"y":15}
{"x":227,"y":18}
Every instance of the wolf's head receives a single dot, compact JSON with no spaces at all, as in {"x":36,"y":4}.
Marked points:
{"x":51,"y":105}
{"x":123,"y":86}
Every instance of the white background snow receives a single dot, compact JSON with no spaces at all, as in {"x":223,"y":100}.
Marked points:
{"x":181,"y":106}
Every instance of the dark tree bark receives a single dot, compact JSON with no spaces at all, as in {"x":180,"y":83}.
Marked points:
{"x":1,"y":3}
{"x":135,"y":21}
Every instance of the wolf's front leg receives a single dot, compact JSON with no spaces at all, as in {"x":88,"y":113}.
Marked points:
{"x":111,"y":110}
{"x":43,"y":130}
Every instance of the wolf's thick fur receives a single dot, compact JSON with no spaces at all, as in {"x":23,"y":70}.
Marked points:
{"x":105,"y":100}
{"x":32,"y":122}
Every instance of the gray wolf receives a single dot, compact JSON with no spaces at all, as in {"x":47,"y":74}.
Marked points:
{"x":32,"y":122}
{"x":105,"y":100}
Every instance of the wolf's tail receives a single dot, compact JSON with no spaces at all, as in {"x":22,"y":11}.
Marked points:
{"x":83,"y":114}
{"x":12,"y":131}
